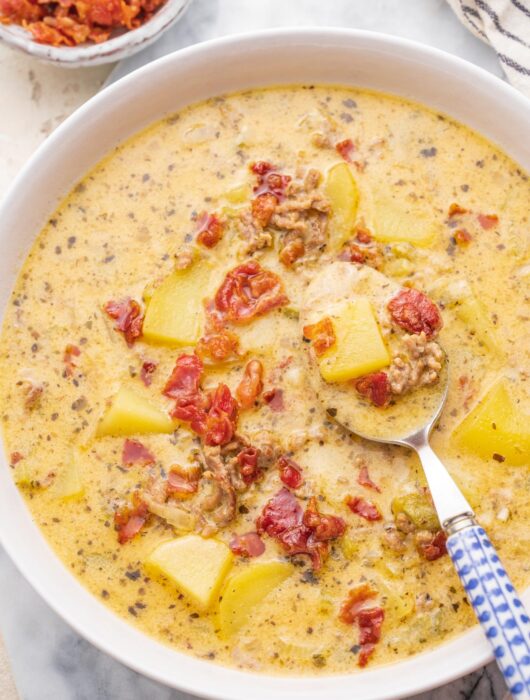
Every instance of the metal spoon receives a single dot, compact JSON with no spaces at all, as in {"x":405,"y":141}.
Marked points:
{"x":499,"y":610}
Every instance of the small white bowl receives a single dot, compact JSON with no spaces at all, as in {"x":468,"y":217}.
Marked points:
{"x":114,"y":49}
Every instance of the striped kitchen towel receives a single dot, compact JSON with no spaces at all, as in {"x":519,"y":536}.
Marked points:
{"x":505,"y":24}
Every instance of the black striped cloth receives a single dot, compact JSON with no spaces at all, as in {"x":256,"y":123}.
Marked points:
{"x":505,"y":25}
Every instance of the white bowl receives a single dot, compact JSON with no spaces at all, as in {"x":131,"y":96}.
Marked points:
{"x":306,"y":55}
{"x":115,"y":49}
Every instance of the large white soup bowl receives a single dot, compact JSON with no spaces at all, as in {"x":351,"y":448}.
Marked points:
{"x":331,"y":56}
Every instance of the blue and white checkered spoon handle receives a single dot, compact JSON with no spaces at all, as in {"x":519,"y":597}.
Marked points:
{"x":496,"y":604}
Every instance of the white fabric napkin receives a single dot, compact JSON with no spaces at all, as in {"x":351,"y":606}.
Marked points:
{"x":505,"y":25}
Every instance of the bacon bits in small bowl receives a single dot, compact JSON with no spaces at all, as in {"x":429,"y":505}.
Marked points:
{"x":75,"y":33}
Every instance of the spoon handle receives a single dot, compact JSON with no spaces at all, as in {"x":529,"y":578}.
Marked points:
{"x":495,"y":602}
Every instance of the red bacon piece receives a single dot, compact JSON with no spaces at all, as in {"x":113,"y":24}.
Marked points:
{"x":128,"y":521}
{"x":269,"y":180}
{"x":345,"y":149}
{"x":70,"y":352}
{"x":128,"y":316}
{"x":364,"y":479}
{"x":365,"y":509}
{"x":248,"y":465}
{"x":209,"y":230}
{"x":247,"y":545}
{"x":321,"y":334}
{"x":222,"y":417}
{"x":251,"y":384}
{"x":369,"y":619}
{"x":218,"y":343}
{"x":434,"y":549}
{"x":462,"y":237}
{"x":136,"y":454}
{"x":415,"y":312}
{"x":263,"y":207}
{"x":184,"y":386}
{"x":290,"y":472}
{"x":182,"y":483}
{"x":148,"y":368}
{"x":298,"y":532}
{"x":15,"y":458}
{"x":274,"y":399}
{"x":375,"y":387}
{"x":488,"y":221}
{"x":248,"y":291}
{"x":291,"y":252}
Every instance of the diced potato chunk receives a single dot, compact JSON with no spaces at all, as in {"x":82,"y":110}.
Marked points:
{"x":358,"y":349}
{"x":475,"y":315}
{"x":175,"y":313}
{"x":418,"y":508}
{"x":247,"y":589}
{"x":68,"y":483}
{"x":496,"y":427}
{"x":343,"y":194}
{"x":393,"y":223}
{"x":130,"y":413}
{"x":197,"y":566}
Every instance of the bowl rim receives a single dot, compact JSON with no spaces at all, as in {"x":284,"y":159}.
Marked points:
{"x":93,"y":54}
{"x":197,"y":676}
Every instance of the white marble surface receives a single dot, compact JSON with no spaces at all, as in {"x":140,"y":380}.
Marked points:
{"x":50,"y":661}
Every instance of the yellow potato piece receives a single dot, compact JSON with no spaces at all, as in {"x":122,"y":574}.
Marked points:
{"x":247,"y":589}
{"x":130,"y":413}
{"x":196,"y":566}
{"x":239,"y":194}
{"x":475,"y":315}
{"x":343,"y":194}
{"x":68,"y":483}
{"x":394,"y":222}
{"x":495,"y":426}
{"x":358,"y":349}
{"x":175,"y":312}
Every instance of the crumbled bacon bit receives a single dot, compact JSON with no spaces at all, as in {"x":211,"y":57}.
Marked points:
{"x":248,"y":291}
{"x":209,"y":230}
{"x":182,"y":483}
{"x":222,"y":417}
{"x":136,"y":454}
{"x":184,"y":386}
{"x":15,"y":458}
{"x":434,"y":547}
{"x":250,"y":385}
{"x":217,"y":343}
{"x":70,"y":352}
{"x":291,"y":252}
{"x":365,"y":509}
{"x":128,"y":521}
{"x":364,"y":479}
{"x":274,"y":399}
{"x":269,"y":180}
{"x":456,"y":210}
{"x":290,"y":472}
{"x":298,"y":532}
{"x":70,"y":23}
{"x":263,"y":207}
{"x":247,"y":545}
{"x":128,"y":317}
{"x":363,"y":235}
{"x":148,"y":368}
{"x":415,"y":312}
{"x":248,"y":465}
{"x":488,"y":221}
{"x":321,"y":334}
{"x":462,"y":237}
{"x":375,"y":387}
{"x":345,"y":149}
{"x":369,"y":619}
